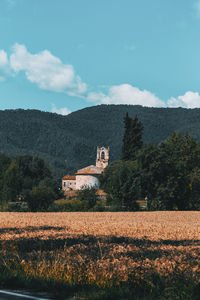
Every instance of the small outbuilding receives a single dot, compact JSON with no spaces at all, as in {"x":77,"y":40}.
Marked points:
{"x":69,"y":183}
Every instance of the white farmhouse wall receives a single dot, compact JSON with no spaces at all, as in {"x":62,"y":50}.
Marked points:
{"x":68,"y":185}
{"x":86,"y":180}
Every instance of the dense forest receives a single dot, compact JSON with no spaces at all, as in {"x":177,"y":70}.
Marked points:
{"x":69,"y":142}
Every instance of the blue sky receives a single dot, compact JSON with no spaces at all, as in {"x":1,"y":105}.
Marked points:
{"x":64,"y":55}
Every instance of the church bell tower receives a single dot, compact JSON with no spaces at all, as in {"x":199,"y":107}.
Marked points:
{"x":102,"y":157}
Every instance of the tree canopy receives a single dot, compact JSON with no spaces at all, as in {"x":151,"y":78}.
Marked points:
{"x":168,"y":174}
{"x":132,"y":140}
{"x":21,"y":175}
{"x":119,"y":180}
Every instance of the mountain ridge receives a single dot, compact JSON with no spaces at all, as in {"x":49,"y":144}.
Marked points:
{"x":69,"y":142}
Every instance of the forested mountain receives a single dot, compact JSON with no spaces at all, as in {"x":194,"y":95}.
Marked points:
{"x":69,"y":142}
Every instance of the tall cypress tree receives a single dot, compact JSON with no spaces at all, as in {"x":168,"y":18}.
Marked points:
{"x":132,"y":140}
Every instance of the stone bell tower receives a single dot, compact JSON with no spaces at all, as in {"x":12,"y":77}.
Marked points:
{"x":102,"y":157}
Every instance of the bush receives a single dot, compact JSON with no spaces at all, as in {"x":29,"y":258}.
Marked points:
{"x":40,"y":198}
{"x":88,"y":197}
{"x":54,"y":185}
{"x":70,"y":205}
{"x":17,"y":207}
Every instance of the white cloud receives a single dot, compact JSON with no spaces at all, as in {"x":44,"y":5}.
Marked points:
{"x":175,"y":102}
{"x":3,"y":59}
{"x":47,"y":71}
{"x":188,"y":100}
{"x":4,"y":65}
{"x":61,"y":111}
{"x":126,"y":94}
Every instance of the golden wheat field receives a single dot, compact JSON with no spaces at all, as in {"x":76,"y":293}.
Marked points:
{"x":154,"y":226}
{"x":103,"y":246}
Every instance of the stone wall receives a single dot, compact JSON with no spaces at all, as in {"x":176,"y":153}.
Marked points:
{"x":87,"y":180}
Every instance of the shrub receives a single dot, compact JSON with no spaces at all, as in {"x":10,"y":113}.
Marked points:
{"x":40,"y":198}
{"x":88,"y":197}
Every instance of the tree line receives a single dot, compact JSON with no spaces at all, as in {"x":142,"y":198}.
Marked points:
{"x":167,"y":175}
{"x":27,"y":178}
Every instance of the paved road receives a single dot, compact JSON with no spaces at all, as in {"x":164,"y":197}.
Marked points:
{"x":8,"y":295}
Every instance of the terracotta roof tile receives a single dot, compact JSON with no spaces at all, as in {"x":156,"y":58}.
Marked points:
{"x":101,"y":193}
{"x":90,"y":170}
{"x":69,"y":177}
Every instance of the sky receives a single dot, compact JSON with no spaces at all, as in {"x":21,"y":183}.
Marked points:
{"x":64,"y":55}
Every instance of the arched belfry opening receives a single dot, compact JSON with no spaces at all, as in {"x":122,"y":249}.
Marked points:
{"x":102,"y":157}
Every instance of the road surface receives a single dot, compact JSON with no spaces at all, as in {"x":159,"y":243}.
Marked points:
{"x":9,"y":295}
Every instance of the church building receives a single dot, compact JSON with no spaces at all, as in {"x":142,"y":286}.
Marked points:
{"x":88,"y":176}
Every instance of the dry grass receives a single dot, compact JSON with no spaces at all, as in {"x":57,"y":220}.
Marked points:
{"x":105,"y":248}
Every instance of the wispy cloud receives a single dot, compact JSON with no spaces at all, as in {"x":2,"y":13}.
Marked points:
{"x":2,"y":79}
{"x":61,"y":111}
{"x":4,"y":65}
{"x":3,"y":59}
{"x":197,"y":8}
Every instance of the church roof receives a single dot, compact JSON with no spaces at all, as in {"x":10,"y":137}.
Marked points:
{"x":90,"y":170}
{"x":69,"y":177}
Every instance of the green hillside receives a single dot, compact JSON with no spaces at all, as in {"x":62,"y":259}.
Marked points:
{"x":69,"y":142}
